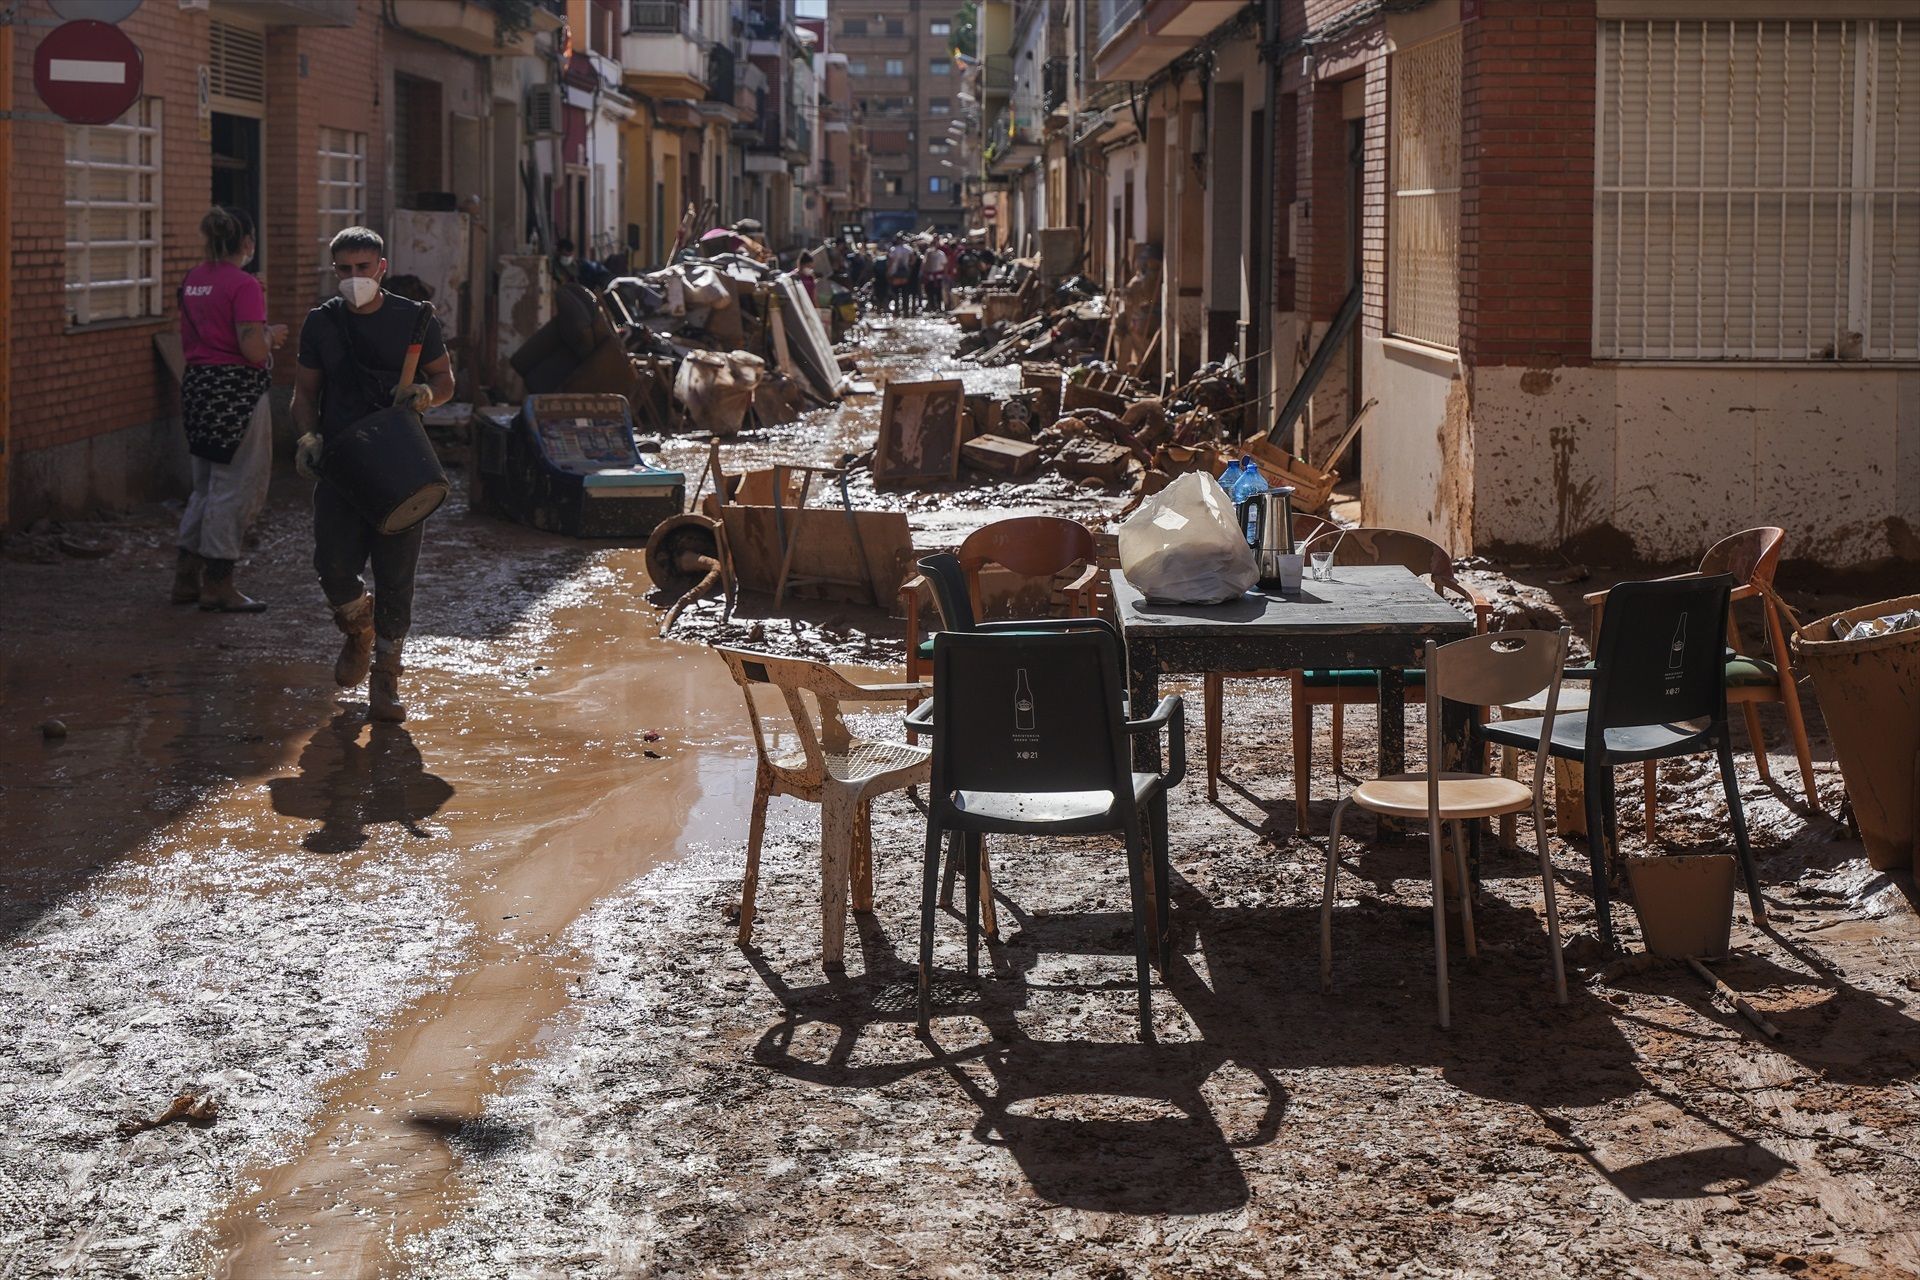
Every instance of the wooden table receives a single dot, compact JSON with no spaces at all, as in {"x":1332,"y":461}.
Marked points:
{"x":1377,"y":617}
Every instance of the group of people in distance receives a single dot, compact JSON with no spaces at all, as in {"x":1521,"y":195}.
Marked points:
{"x":914,"y":273}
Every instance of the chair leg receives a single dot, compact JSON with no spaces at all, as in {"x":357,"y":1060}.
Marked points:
{"x":1649,"y":781}
{"x":1339,"y":733}
{"x":989,"y":917}
{"x":837,"y":822}
{"x":1214,"y":697}
{"x":1597,"y":772}
{"x":1162,"y":878}
{"x":973,"y":904}
{"x":1137,"y":855}
{"x":1731,"y":782}
{"x":1439,"y":920}
{"x":1326,"y":897}
{"x":953,"y":870}
{"x":929,"y":896}
{"x":1797,"y":727}
{"x":750,"y":882}
{"x":863,"y":857}
{"x":1509,"y":823}
{"x":1465,"y":887}
{"x":1757,"y":740}
{"x":1553,"y":906}
{"x":1302,"y":760}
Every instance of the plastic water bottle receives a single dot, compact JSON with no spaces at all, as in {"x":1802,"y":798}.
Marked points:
{"x":1251,"y":481}
{"x":1230,"y":478}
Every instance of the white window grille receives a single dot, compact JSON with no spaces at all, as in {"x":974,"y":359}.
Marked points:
{"x":1757,"y":191}
{"x":896,"y":66}
{"x":343,"y":186}
{"x":113,"y":217}
{"x":1423,"y":288}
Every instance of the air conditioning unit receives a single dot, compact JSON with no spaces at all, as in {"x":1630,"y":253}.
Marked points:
{"x":543,"y":111}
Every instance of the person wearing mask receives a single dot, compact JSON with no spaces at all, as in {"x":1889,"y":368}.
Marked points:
{"x":351,"y":350}
{"x":933,"y":276}
{"x":228,"y":346}
{"x":566,"y":262}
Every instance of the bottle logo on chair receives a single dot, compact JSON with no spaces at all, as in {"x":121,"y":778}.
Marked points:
{"x":1022,"y":703}
{"x":1677,"y":652}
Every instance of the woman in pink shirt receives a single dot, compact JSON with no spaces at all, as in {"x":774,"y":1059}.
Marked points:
{"x":228,"y":346}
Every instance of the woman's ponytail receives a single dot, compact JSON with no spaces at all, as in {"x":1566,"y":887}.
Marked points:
{"x":225,"y":229}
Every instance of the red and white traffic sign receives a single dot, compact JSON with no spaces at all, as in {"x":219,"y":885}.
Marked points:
{"x":87,"y":72}
{"x":990,"y":212}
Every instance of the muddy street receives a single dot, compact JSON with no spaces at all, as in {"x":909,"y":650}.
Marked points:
{"x":464,"y":996}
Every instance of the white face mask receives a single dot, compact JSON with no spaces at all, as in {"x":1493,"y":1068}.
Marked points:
{"x":359,"y":290}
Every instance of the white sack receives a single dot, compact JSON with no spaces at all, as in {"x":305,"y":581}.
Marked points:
{"x":1183,"y":545}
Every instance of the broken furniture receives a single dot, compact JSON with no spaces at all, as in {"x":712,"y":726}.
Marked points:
{"x":1374,"y":618}
{"x":1751,"y":556}
{"x":1341,"y":687}
{"x":1029,"y":738}
{"x":1658,"y":690}
{"x":835,"y":770}
{"x":1474,"y":672}
{"x":1036,"y":549}
{"x":568,"y":463}
{"x":580,"y":349}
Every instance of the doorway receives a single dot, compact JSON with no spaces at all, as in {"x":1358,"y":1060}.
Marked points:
{"x":236,"y":170}
{"x":1356,"y":267}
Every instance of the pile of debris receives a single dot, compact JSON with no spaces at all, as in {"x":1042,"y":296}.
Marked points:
{"x":710,"y":344}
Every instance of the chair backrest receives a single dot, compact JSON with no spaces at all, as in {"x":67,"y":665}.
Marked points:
{"x":1028,"y":712}
{"x":1751,"y":556}
{"x":1030,"y":546}
{"x":1496,"y":671}
{"x":1660,"y":657}
{"x":1415,"y":552}
{"x":948,"y":582}
{"x":791,"y":676}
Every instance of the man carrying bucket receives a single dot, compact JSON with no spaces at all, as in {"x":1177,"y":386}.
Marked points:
{"x":353,"y":351}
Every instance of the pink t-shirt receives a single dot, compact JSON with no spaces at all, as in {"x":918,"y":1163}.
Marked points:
{"x":215,"y":301}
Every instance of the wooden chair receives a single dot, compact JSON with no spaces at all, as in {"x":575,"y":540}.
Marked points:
{"x":1495,"y":670}
{"x":1343,"y":688}
{"x":1752,"y":556}
{"x":1033,"y":547}
{"x":835,"y":770}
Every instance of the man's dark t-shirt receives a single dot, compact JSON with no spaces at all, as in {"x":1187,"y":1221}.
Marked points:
{"x":347,"y":394}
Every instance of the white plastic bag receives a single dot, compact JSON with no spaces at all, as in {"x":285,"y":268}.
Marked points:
{"x":1183,"y":546}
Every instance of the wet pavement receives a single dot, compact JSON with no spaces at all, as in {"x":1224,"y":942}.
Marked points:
{"x":465,"y":996}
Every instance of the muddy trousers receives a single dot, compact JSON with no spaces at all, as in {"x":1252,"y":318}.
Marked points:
{"x":228,"y":495}
{"x":343,"y":545}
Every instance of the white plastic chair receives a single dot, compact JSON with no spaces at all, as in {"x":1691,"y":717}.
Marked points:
{"x":835,"y":770}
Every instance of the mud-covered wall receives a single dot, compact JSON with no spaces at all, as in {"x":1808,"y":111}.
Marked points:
{"x":1417,"y":453}
{"x":1657,"y":464}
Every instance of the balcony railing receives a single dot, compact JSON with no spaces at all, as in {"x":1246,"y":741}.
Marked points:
{"x":1113,"y":15}
{"x":720,"y":83}
{"x":657,"y":18}
{"x":1053,"y":83}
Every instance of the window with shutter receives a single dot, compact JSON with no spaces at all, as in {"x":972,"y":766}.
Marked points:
{"x":236,"y":68}
{"x":1757,"y":195}
{"x":1423,"y":286}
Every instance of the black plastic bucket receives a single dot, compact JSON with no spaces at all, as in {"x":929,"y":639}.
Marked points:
{"x":386,"y":466}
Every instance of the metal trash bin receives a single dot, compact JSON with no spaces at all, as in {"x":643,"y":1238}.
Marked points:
{"x":1869,"y":692}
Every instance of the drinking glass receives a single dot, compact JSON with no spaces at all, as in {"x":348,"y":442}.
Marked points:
{"x":1323,"y":566}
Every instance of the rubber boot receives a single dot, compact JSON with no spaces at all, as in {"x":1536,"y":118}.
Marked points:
{"x":383,"y":685}
{"x":355,"y":620}
{"x":219,"y":595}
{"x":187,"y":567}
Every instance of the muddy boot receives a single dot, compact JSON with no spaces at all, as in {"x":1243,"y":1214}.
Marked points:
{"x":383,"y":686}
{"x":219,"y":595}
{"x":355,"y":620}
{"x":187,"y":568}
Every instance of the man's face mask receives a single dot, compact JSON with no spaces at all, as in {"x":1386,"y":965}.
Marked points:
{"x":359,"y":290}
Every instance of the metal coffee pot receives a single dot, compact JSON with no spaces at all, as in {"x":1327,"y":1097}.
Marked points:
{"x":1267,"y":521}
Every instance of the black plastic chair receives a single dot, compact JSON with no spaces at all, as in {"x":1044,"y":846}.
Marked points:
{"x":1659,"y":691}
{"x":1029,"y":738}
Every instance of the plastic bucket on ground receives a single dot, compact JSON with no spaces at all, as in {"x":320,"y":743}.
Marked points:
{"x":1685,"y":903}
{"x":1869,"y":692}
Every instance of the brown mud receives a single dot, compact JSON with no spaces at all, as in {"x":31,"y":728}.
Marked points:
{"x":466,"y":996}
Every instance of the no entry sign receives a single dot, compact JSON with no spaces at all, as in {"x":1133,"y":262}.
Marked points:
{"x":87,"y":72}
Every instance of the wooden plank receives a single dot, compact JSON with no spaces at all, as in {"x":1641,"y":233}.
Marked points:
{"x":1001,"y":456}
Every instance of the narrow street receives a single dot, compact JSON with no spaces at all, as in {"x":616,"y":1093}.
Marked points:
{"x":466,"y":996}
